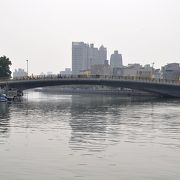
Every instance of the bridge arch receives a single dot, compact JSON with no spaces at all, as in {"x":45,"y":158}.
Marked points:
{"x":161,"y":88}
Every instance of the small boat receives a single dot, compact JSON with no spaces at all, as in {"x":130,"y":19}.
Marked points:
{"x":3,"y":98}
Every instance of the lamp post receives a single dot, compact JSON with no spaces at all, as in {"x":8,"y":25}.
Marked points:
{"x":152,"y":72}
{"x":0,"y":72}
{"x":27,"y":67}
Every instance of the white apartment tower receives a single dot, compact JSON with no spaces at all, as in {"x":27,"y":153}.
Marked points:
{"x":79,"y":57}
{"x":96,"y":56}
{"x":85,"y":55}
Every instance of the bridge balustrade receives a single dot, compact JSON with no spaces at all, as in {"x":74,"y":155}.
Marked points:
{"x":108,"y":77}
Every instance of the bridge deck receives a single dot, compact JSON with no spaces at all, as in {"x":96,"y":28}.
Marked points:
{"x":158,"y":86}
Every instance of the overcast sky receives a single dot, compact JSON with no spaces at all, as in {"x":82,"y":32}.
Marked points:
{"x":42,"y":31}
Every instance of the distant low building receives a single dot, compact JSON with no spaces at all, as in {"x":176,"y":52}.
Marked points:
{"x":157,"y":74}
{"x":101,"y":69}
{"x":19,"y":73}
{"x":86,"y":72}
{"x":42,"y":74}
{"x":67,"y":71}
{"x":137,"y":70}
{"x":171,"y":71}
{"x":117,"y":71}
{"x":49,"y":73}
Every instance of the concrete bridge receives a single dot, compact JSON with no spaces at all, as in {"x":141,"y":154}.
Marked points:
{"x":160,"y":87}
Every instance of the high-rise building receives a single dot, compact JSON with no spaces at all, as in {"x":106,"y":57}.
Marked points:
{"x":116,"y":60}
{"x":85,"y":55}
{"x":93,"y":56}
{"x":79,"y":57}
{"x":96,"y":56}
{"x":102,"y":54}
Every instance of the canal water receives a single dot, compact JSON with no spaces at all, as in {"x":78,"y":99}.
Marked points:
{"x":89,"y":137}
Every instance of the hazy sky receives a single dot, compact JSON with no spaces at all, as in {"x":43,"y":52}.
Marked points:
{"x":42,"y":31}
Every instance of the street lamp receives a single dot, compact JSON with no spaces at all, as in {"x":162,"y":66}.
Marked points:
{"x":152,"y":73}
{"x":27,"y":67}
{"x":0,"y":71}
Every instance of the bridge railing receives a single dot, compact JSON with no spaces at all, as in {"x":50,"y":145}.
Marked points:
{"x":106,"y":77}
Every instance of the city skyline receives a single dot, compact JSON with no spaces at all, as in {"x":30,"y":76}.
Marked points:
{"x":90,"y":48}
{"x":42,"y":31}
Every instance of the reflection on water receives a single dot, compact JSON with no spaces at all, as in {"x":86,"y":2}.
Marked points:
{"x":108,"y":120}
{"x":103,"y":119}
{"x":51,"y":136}
{"x":4,"y":120}
{"x":91,"y":123}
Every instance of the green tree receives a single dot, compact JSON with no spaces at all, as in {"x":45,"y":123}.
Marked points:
{"x":5,"y":64}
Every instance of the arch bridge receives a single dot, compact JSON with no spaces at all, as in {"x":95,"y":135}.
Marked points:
{"x":160,"y":87}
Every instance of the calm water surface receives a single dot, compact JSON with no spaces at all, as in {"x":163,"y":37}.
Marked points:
{"x":50,"y":136}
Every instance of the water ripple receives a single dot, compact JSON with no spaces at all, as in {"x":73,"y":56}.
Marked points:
{"x":63,"y":134}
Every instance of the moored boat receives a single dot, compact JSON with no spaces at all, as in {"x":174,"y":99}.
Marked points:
{"x":3,"y":98}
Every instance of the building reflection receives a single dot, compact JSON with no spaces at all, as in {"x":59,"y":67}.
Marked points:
{"x":99,"y":121}
{"x":95,"y":121}
{"x":93,"y":127}
{"x":4,"y":119}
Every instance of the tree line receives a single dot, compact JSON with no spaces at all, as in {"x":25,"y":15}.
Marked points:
{"x":5,"y":64}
